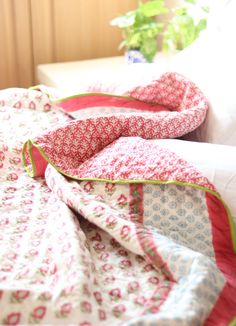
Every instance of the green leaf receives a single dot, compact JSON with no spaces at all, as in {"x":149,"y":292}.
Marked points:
{"x":140,"y":27}
{"x":134,"y":42}
{"x":180,"y":11}
{"x":153,"y":8}
{"x":200,"y":26}
{"x":140,"y":19}
{"x":152,"y":26}
{"x":194,"y":2}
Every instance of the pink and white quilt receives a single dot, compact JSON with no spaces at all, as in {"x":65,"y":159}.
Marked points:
{"x":102,"y":226}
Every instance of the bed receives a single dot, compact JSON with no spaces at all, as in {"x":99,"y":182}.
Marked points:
{"x":106,"y":219}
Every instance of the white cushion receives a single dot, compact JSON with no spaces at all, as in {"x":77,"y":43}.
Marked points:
{"x":210,"y":62}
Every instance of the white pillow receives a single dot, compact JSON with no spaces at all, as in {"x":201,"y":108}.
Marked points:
{"x":211,"y":63}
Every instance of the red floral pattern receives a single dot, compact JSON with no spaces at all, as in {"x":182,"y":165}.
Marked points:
{"x":39,"y":313}
{"x":69,"y":146}
{"x":13,"y":318}
{"x":60,"y":268}
{"x":20,"y":295}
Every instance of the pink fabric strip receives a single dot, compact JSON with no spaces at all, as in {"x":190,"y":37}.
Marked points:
{"x":225,"y":307}
{"x":103,"y":100}
{"x":40,"y":163}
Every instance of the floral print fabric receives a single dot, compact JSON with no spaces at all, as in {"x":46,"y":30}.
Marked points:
{"x":85,"y":252}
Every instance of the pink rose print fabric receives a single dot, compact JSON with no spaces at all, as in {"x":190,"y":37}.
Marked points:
{"x":166,"y":106}
{"x":113,"y":229}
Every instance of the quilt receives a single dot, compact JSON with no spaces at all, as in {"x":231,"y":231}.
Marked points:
{"x":102,"y":226}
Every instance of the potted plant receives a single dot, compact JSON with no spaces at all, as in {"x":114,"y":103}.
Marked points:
{"x":185,"y":26}
{"x":140,"y":30}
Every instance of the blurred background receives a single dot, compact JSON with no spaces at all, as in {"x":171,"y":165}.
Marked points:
{"x":34,"y":32}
